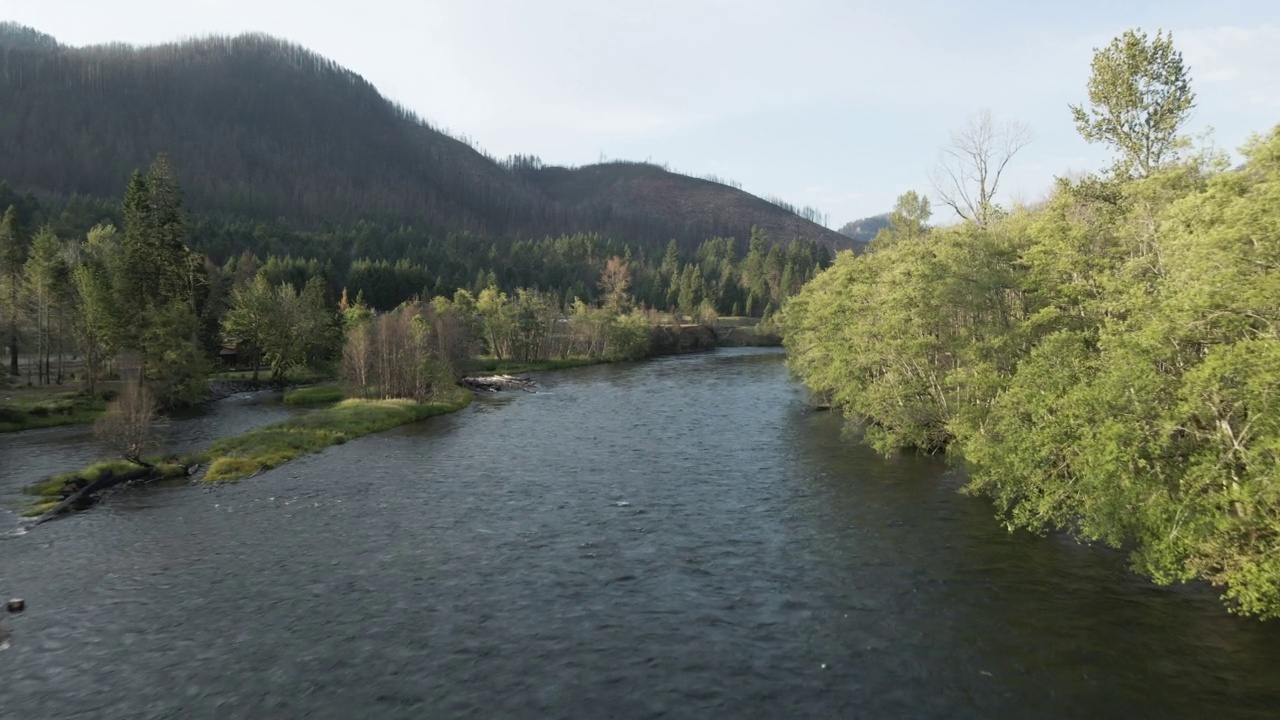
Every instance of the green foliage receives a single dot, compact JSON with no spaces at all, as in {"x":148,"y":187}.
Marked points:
{"x":173,"y":364}
{"x":1139,"y":98}
{"x":1108,"y":364}
{"x":286,"y":328}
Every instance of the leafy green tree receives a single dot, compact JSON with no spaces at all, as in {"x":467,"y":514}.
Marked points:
{"x":98,"y":323}
{"x":1108,"y":364}
{"x":909,"y":219}
{"x":1139,"y":98}
{"x":285,"y":327}
{"x":252,"y":319}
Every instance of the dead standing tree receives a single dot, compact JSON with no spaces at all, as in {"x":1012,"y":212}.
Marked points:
{"x":970,"y":167}
{"x":126,"y":428}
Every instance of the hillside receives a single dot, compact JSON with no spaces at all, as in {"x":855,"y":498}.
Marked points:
{"x":613,"y":196}
{"x":865,"y":230}
{"x":263,"y":129}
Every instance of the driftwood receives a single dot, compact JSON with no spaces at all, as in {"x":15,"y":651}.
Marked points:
{"x":85,"y":495}
{"x":494,"y":383}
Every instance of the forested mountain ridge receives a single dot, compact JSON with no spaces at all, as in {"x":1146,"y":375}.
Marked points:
{"x":263,"y":129}
{"x":610,"y":197}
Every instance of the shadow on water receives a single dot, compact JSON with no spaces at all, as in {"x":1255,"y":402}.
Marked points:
{"x":1015,"y":623}
{"x":676,"y":538}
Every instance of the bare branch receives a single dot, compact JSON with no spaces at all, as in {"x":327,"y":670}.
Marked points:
{"x":971,"y":166}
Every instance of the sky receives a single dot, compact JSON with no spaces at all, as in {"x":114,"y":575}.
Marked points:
{"x":838,"y":105}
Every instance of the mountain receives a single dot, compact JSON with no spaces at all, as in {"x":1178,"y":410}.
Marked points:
{"x":264,"y":129}
{"x":611,"y":197}
{"x":864,"y":230}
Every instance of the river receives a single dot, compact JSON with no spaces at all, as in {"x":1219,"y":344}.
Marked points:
{"x":678,"y":538}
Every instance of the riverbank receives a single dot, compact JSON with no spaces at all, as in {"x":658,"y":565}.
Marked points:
{"x":674,"y":338}
{"x":252,"y":452}
{"x":272,"y":446}
{"x":35,"y":408}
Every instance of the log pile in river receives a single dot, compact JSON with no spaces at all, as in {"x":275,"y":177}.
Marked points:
{"x":494,"y":383}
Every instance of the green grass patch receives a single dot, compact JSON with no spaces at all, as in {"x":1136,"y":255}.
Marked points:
{"x":52,"y":490}
{"x":513,"y":367}
{"x":53,"y":486}
{"x":40,"y":508}
{"x":272,"y":446}
{"x":265,"y":448}
{"x":36,"y":408}
{"x":313,"y":395}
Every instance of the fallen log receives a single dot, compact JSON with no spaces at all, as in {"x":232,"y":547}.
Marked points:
{"x":86,"y":493}
{"x":495,"y":383}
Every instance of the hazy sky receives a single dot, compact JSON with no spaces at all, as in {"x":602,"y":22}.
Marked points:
{"x":839,"y":105}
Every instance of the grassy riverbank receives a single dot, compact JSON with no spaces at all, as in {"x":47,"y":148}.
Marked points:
{"x":269,"y":447}
{"x":32,"y":408}
{"x":272,"y":446}
{"x":314,"y":395}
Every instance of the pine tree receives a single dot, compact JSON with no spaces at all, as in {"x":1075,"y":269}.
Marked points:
{"x":136,"y":276}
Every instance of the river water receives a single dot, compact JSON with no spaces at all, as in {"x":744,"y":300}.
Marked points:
{"x":676,"y":538}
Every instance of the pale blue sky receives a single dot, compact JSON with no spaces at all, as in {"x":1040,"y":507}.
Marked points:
{"x":839,"y":105}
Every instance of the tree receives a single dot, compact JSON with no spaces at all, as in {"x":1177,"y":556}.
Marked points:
{"x":136,"y":278}
{"x":1139,"y":97}
{"x":615,"y":281}
{"x":46,"y":276}
{"x":173,"y":365}
{"x":251,"y":320}
{"x":908,"y":221}
{"x":126,"y":428}
{"x":970,"y":167}
{"x":281,"y":325}
{"x":98,"y":323}
{"x":12,"y":256}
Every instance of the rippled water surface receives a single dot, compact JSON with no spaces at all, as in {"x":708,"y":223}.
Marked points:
{"x":677,"y":538}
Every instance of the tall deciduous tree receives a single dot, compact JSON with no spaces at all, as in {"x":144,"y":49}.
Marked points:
{"x":252,"y":319}
{"x":970,"y":167}
{"x":1139,"y":98}
{"x":46,"y":276}
{"x":98,"y":323}
{"x":908,"y":221}
{"x":12,"y":256}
